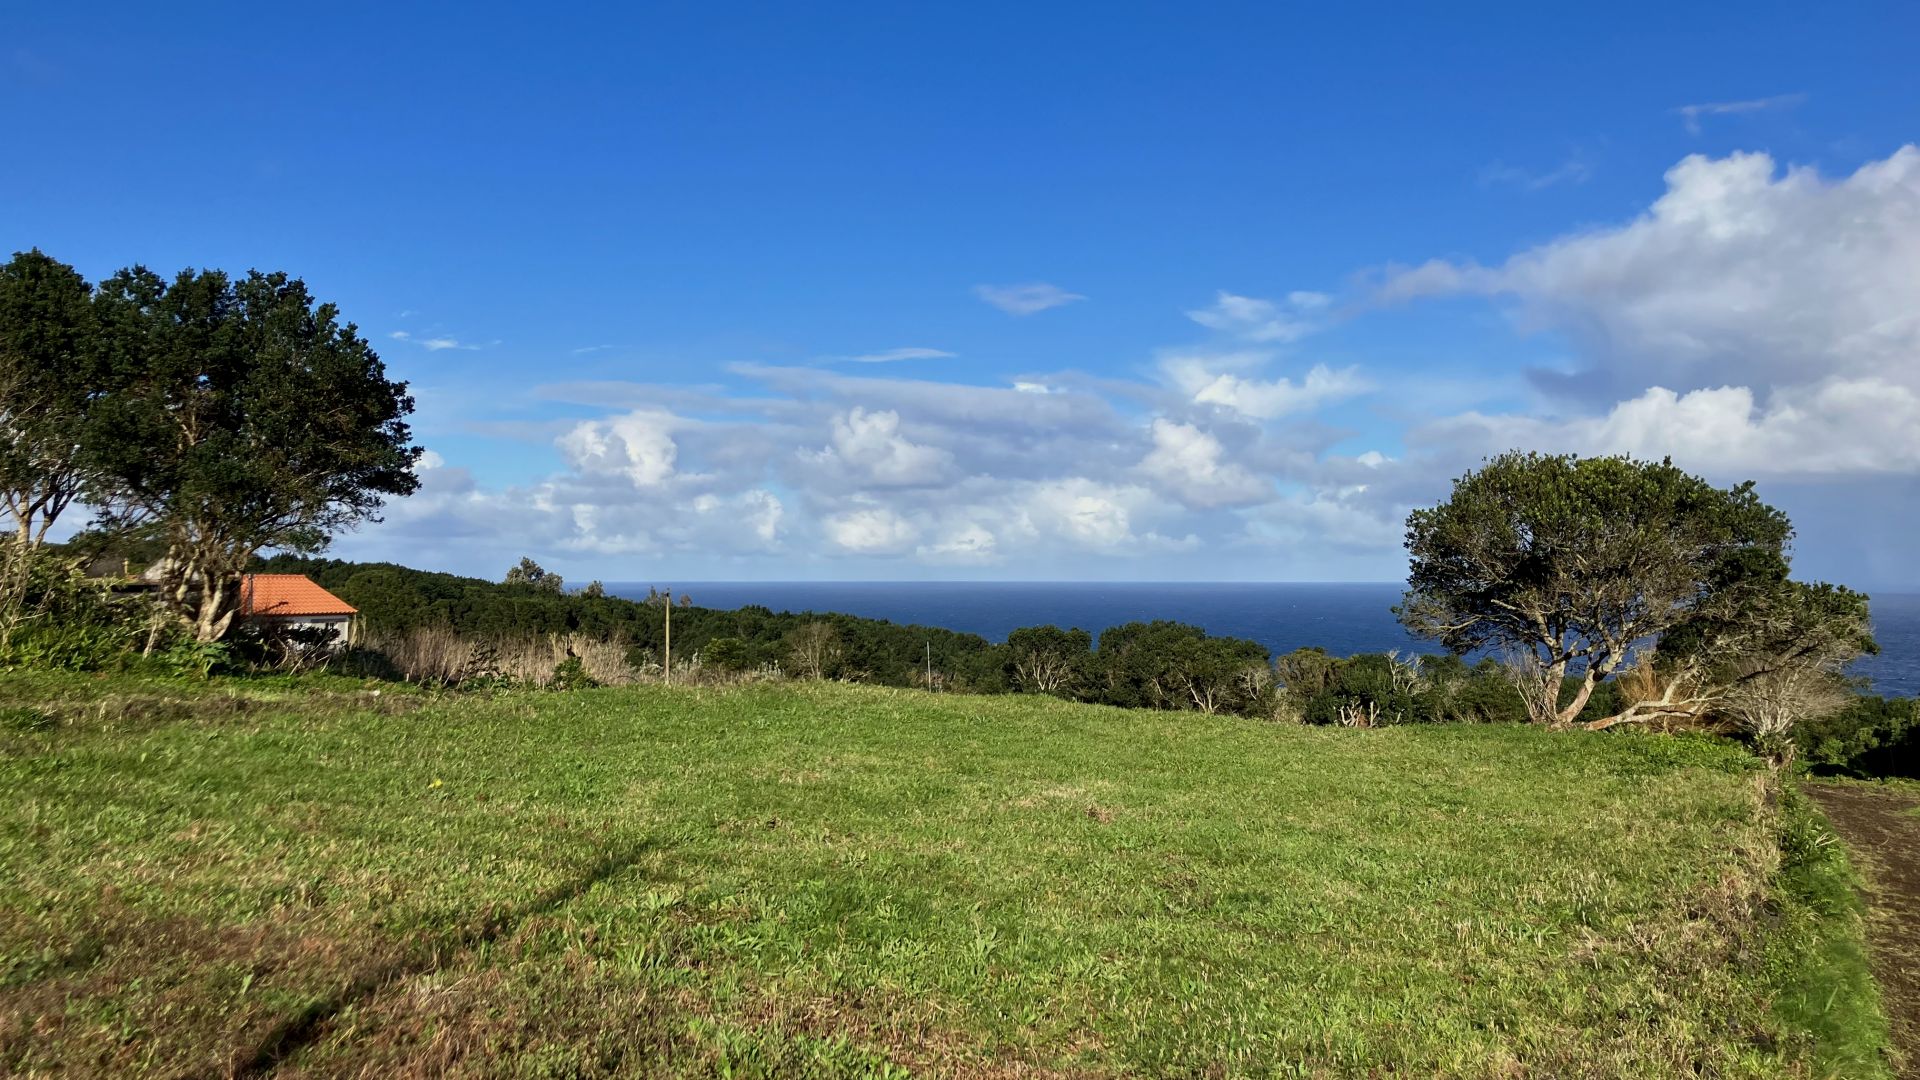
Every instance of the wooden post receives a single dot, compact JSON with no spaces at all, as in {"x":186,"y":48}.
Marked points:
{"x":668,"y":670}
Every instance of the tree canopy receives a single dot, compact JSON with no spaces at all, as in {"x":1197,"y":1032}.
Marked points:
{"x":245,"y":416}
{"x":1568,"y":562}
{"x":50,"y":376}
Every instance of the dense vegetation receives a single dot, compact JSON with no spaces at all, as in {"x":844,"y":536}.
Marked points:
{"x":1161,"y":665}
{"x":214,"y":415}
{"x":811,"y":879}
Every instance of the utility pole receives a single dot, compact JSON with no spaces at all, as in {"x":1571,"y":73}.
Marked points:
{"x":668,"y":669}
{"x":929,"y":665}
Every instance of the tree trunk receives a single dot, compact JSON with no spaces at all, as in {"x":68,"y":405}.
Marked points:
{"x":1564,"y":717}
{"x":215,"y":611}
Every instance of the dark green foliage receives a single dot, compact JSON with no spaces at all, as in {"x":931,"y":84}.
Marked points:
{"x":244,"y":415}
{"x":1572,"y":560}
{"x":395,"y":599}
{"x":727,"y":654}
{"x":1373,"y":689}
{"x":1049,"y":660}
{"x":27,"y":718}
{"x":50,"y":376}
{"x":58,"y":618}
{"x":571,"y":674}
{"x":532,"y":575}
{"x":1169,"y":665}
{"x":1870,"y":737}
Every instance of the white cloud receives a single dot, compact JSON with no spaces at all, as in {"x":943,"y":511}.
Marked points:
{"x":1189,"y":465}
{"x":970,"y":543}
{"x":1202,"y":379}
{"x":1690,"y":114}
{"x":638,"y":446}
{"x":870,"y":445}
{"x":874,"y":531}
{"x":891,"y":355}
{"x":1251,"y":319}
{"x":434,"y":344}
{"x":1025,"y":299}
{"x":1773,"y":313}
{"x":1752,"y":322}
{"x":1846,"y":426}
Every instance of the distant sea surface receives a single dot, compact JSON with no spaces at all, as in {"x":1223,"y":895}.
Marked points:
{"x":1340,"y":618}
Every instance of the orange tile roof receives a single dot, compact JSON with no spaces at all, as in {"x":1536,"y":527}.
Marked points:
{"x":288,"y":594}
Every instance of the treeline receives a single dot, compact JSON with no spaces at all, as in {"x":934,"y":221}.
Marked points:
{"x":395,"y":599}
{"x":1154,"y":665}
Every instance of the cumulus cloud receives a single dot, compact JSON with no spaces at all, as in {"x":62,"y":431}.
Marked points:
{"x":1025,"y":299}
{"x":1846,"y":426}
{"x":872,"y":531}
{"x":1740,"y":273}
{"x":1190,"y":465}
{"x":870,"y":446}
{"x":969,"y":543}
{"x":638,"y":446}
{"x":1753,"y":320}
{"x":1215,"y":379}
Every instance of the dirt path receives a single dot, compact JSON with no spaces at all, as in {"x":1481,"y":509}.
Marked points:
{"x":1884,"y":840}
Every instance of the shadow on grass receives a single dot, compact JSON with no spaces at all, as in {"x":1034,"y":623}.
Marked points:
{"x":303,"y":1028}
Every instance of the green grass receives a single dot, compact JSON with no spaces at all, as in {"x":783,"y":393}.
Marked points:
{"x":838,"y":881}
{"x":1815,"y":947}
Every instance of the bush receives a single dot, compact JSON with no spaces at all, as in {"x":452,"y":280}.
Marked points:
{"x":571,"y":674}
{"x":727,"y":654}
{"x":1374,"y":689}
{"x":1870,"y":737}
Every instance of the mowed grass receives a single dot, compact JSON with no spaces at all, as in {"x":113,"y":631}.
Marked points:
{"x":843,"y":881}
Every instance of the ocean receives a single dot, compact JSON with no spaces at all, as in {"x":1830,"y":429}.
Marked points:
{"x":1340,"y":618}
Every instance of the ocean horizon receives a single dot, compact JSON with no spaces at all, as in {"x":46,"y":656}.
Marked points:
{"x":1341,"y":617}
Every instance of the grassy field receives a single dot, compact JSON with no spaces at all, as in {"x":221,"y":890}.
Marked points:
{"x":312,"y":880}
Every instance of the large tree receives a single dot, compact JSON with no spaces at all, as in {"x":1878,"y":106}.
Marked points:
{"x":49,"y":377}
{"x":246,"y":416}
{"x":1568,"y":562}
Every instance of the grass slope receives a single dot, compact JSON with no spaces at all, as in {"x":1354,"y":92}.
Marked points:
{"x":835,"y":881}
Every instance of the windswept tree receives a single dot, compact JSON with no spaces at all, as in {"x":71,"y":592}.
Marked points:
{"x":1776,"y":663}
{"x":1568,"y":562}
{"x":1048,"y":660}
{"x":50,"y":376}
{"x":528,"y":572}
{"x":1170,"y":665}
{"x":245,"y":416}
{"x":814,"y":650}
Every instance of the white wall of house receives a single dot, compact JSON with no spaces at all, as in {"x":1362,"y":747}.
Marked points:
{"x":340,"y":626}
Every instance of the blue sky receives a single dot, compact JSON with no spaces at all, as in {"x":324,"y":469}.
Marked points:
{"x":1140,"y":292}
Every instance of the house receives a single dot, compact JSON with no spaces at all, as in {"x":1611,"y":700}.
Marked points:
{"x":294,"y":602}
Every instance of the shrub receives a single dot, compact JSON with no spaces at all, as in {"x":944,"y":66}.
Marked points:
{"x":1870,"y":737}
{"x":727,"y":654}
{"x":571,"y":674}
